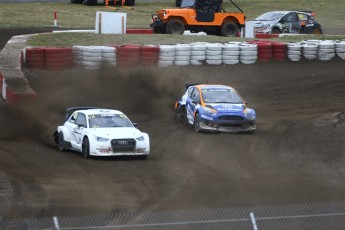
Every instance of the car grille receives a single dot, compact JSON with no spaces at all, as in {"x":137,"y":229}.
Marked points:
{"x":231,"y":118}
{"x":123,"y":145}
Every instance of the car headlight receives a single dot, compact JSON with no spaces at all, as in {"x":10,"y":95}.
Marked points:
{"x":209,"y":110}
{"x":140,"y":138}
{"x":102,"y":139}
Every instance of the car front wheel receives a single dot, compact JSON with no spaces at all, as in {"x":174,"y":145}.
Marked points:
{"x":61,"y":142}
{"x":197,"y":123}
{"x":86,"y":148}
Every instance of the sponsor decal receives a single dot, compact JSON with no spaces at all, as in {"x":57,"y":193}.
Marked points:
{"x":206,"y":117}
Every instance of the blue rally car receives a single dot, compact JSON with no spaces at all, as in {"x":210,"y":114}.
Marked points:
{"x":215,"y":108}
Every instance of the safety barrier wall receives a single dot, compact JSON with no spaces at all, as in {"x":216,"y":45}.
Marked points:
{"x":93,"y":57}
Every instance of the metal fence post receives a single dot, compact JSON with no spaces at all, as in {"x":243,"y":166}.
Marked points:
{"x":56,"y":223}
{"x":252,"y":218}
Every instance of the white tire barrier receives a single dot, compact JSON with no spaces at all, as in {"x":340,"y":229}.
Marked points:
{"x":326,"y":50}
{"x":182,"y":54}
{"x":248,"y":53}
{"x":166,"y":55}
{"x":340,"y":49}
{"x":214,"y":53}
{"x":294,"y":51}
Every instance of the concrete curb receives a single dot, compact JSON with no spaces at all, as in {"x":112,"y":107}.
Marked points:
{"x":13,"y":85}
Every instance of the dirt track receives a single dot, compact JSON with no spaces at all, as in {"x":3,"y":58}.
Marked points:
{"x":296,"y":155}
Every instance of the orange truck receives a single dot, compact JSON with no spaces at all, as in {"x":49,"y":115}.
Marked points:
{"x":199,"y":16}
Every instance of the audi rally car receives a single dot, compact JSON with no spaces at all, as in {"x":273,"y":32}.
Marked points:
{"x":215,"y":108}
{"x":101,"y":132}
{"x":294,"y":22}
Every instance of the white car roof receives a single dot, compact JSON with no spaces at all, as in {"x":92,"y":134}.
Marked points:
{"x":100,"y":111}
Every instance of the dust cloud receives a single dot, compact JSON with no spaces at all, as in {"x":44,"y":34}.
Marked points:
{"x":140,"y":93}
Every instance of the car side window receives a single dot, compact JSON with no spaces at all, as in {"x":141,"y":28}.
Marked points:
{"x":73,"y":117}
{"x":189,"y":91}
{"x":291,"y":17}
{"x":195,"y":95}
{"x":81,"y":120}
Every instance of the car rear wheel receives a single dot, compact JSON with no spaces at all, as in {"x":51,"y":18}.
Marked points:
{"x":229,"y":29}
{"x":197,"y":123}
{"x":276,"y":31}
{"x":179,"y":114}
{"x":86,"y":148}
{"x":175,"y":26}
{"x":61,"y":142}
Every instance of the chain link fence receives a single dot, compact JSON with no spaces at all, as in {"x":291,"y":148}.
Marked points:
{"x":299,"y":216}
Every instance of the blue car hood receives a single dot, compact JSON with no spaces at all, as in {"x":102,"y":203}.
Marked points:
{"x":227,"y":108}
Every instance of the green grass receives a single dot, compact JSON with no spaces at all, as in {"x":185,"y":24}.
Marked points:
{"x":331,"y":14}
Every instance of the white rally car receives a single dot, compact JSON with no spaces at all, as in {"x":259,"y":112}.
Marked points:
{"x":101,"y":132}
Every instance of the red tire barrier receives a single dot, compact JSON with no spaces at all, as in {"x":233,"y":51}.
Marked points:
{"x":128,"y":55}
{"x":264,"y":50}
{"x":149,"y":55}
{"x":279,"y":51}
{"x":35,"y":58}
{"x":58,"y":58}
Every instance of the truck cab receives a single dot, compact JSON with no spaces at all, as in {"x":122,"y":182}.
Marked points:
{"x":199,"y":16}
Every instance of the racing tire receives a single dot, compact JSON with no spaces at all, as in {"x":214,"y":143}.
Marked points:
{"x":229,"y":29}
{"x":276,"y":31}
{"x":175,"y":26}
{"x":86,"y":148}
{"x":60,"y":142}
{"x":197,"y":123}
{"x":178,"y":117}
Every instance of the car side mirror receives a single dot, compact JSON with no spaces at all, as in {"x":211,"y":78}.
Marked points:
{"x":135,"y":125}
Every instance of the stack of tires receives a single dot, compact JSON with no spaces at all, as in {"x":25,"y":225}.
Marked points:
{"x":91,"y":57}
{"x":231,"y":53}
{"x":326,"y":50}
{"x":340,"y":49}
{"x":58,"y":58}
{"x":310,"y":49}
{"x":35,"y":58}
{"x":198,"y":53}
{"x":128,"y":55}
{"x":149,"y":55}
{"x":109,"y":56}
{"x":248,"y":53}
{"x":265,"y":52}
{"x":279,"y":51}
{"x":182,"y":54}
{"x":294,"y":51}
{"x":214,"y":54}
{"x":166,"y":55}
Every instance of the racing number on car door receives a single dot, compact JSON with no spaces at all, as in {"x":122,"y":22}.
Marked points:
{"x":292,"y":23}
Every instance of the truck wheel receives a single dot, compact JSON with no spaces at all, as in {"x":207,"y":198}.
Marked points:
{"x":175,"y":26}
{"x":316,"y":31}
{"x":229,"y":29}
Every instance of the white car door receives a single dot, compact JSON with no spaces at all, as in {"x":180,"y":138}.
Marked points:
{"x":78,"y":131}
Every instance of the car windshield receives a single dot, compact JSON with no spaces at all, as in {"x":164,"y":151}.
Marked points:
{"x":109,"y":120}
{"x":270,"y":16}
{"x":187,"y":3}
{"x":221,"y":95}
